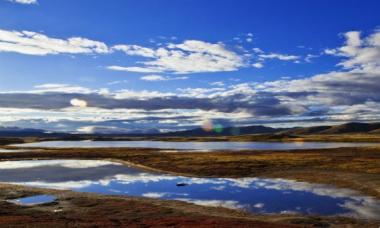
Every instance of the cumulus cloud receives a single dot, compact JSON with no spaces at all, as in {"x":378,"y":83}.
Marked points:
{"x":191,"y":56}
{"x":33,"y":43}
{"x":358,"y":52}
{"x":349,"y":94}
{"x":135,"y":50}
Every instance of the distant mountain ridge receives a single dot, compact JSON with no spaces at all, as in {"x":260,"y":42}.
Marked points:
{"x":24,"y":132}
{"x":347,"y":128}
{"x":337,"y":129}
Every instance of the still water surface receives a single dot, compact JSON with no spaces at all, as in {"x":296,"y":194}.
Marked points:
{"x":200,"y":146}
{"x":254,"y":195}
{"x":13,"y":150}
{"x":34,"y":200}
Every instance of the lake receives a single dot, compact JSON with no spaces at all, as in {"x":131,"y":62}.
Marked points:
{"x":255,"y":195}
{"x":13,"y":150}
{"x":197,"y":146}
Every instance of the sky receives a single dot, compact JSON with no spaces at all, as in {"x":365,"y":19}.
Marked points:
{"x":123,"y":66}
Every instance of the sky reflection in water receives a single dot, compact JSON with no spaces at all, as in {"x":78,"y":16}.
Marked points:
{"x":34,"y":200}
{"x":202,"y":146}
{"x":251,"y":194}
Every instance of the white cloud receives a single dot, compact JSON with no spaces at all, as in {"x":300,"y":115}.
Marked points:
{"x":345,"y":95}
{"x":259,"y":205}
{"x":258,"y":50}
{"x":135,"y":50}
{"x":134,"y":69}
{"x":33,"y":43}
{"x":72,"y":164}
{"x":155,"y":77}
{"x":217,"y":84}
{"x":60,"y":88}
{"x":358,"y":52}
{"x":231,"y":204}
{"x":258,"y":65}
{"x":142,"y":94}
{"x":279,"y":56}
{"x":103,"y":130}
{"x":25,"y":2}
{"x":191,"y":56}
{"x":309,"y":57}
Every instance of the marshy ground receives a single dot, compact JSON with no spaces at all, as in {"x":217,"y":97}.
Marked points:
{"x":354,"y":168}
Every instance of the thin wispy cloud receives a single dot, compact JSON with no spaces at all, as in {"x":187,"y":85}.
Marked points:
{"x":279,"y":56}
{"x":154,"y":77}
{"x":24,"y":2}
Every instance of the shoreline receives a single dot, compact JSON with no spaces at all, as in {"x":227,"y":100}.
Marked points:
{"x":353,"y":168}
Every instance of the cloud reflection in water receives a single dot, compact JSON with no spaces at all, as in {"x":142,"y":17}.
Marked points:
{"x":255,"y":195}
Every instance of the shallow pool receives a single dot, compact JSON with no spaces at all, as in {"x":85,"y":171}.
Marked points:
{"x":254,"y":195}
{"x":34,"y":200}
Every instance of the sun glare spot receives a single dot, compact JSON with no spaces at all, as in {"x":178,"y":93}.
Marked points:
{"x":78,"y":103}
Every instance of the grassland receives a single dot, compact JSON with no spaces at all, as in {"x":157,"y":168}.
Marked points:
{"x":355,"y":168}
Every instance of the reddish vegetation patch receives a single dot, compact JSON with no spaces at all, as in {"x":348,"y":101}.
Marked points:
{"x":207,"y":222}
{"x":89,"y":210}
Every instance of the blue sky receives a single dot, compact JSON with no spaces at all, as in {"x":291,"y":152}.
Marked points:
{"x":123,"y":66}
